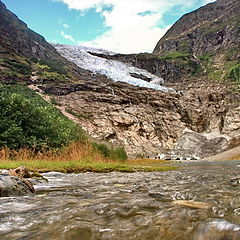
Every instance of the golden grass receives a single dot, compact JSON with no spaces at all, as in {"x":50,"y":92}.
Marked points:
{"x":77,"y":157}
{"x":74,"y":152}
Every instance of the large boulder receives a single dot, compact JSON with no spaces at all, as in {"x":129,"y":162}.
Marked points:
{"x":217,"y":230}
{"x":200,"y":145}
{"x":11,"y":186}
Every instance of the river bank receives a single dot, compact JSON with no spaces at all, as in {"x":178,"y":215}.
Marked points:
{"x":142,"y":165}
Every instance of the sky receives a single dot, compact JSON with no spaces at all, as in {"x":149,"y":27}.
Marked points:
{"x":124,"y":26}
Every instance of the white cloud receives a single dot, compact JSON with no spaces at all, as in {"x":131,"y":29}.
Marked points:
{"x":65,"y":25}
{"x":62,"y":23}
{"x":208,"y":1}
{"x":67,"y":37}
{"x":133,"y":24}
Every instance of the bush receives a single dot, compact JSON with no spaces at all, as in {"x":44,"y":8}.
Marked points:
{"x":117,"y":154}
{"x":54,"y":66}
{"x":102,"y":148}
{"x":234,"y":73}
{"x":27,"y":121}
{"x":19,"y":67}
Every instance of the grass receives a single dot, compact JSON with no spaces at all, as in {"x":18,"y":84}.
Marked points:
{"x":82,"y":166}
{"x":75,"y":158}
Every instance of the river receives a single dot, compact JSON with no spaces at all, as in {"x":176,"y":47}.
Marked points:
{"x":126,"y":206}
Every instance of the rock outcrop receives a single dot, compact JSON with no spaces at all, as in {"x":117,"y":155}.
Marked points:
{"x":21,"y":172}
{"x":146,"y":121}
{"x":11,"y":186}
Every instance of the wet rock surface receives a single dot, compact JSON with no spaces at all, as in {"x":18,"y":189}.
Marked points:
{"x":136,"y":206}
{"x":14,"y":186}
{"x":217,"y":230}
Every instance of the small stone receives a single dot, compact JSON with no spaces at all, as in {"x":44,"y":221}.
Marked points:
{"x":21,"y":172}
{"x":193,"y":204}
{"x":160,"y":196}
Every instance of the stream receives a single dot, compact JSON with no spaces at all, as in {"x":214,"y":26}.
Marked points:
{"x":175,"y":205}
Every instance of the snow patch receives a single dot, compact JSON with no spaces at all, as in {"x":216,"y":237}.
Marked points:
{"x":115,"y":70}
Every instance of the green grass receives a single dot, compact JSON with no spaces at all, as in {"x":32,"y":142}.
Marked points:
{"x":83,"y":166}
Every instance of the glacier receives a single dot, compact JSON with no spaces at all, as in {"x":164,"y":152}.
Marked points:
{"x":115,"y":70}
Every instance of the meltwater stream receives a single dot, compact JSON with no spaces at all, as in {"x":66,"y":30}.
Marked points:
{"x":187,"y":204}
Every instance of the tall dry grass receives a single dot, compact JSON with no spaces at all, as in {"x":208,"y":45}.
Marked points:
{"x":81,"y":152}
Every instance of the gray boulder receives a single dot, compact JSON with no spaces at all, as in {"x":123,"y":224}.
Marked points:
{"x":11,"y":186}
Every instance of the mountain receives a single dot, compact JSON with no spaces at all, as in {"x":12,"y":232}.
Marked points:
{"x":211,"y":35}
{"x":140,"y":117}
{"x":26,"y":56}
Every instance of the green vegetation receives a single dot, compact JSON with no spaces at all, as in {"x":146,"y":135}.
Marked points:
{"x":15,"y":66}
{"x":19,"y":68}
{"x":234,"y":73}
{"x":206,"y":61}
{"x":80,"y":166}
{"x":53,"y":66}
{"x":51,"y":71}
{"x":27,"y":121}
{"x":114,"y":154}
{"x":29,"y":124}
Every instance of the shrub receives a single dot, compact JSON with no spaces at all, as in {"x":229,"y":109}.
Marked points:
{"x":19,"y":67}
{"x":175,"y":55}
{"x":234,"y":73}
{"x":102,"y":148}
{"x":54,"y":66}
{"x":27,"y":121}
{"x":117,"y":154}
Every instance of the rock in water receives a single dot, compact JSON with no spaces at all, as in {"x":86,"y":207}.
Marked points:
{"x":217,"y":230}
{"x":11,"y":186}
{"x":21,"y":172}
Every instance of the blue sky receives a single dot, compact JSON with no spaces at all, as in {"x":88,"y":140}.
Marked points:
{"x":124,"y":26}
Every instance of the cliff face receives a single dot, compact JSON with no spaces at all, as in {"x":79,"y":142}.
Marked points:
{"x":146,"y":121}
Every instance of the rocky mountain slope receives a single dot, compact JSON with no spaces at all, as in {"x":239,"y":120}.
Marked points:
{"x":211,"y":29}
{"x":144,"y":120}
{"x":211,"y":35}
{"x":25,"y":56}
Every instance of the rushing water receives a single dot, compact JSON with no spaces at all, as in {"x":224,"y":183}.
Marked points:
{"x":125,"y":206}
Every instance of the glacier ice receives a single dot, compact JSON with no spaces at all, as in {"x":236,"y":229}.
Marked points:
{"x":115,"y":70}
